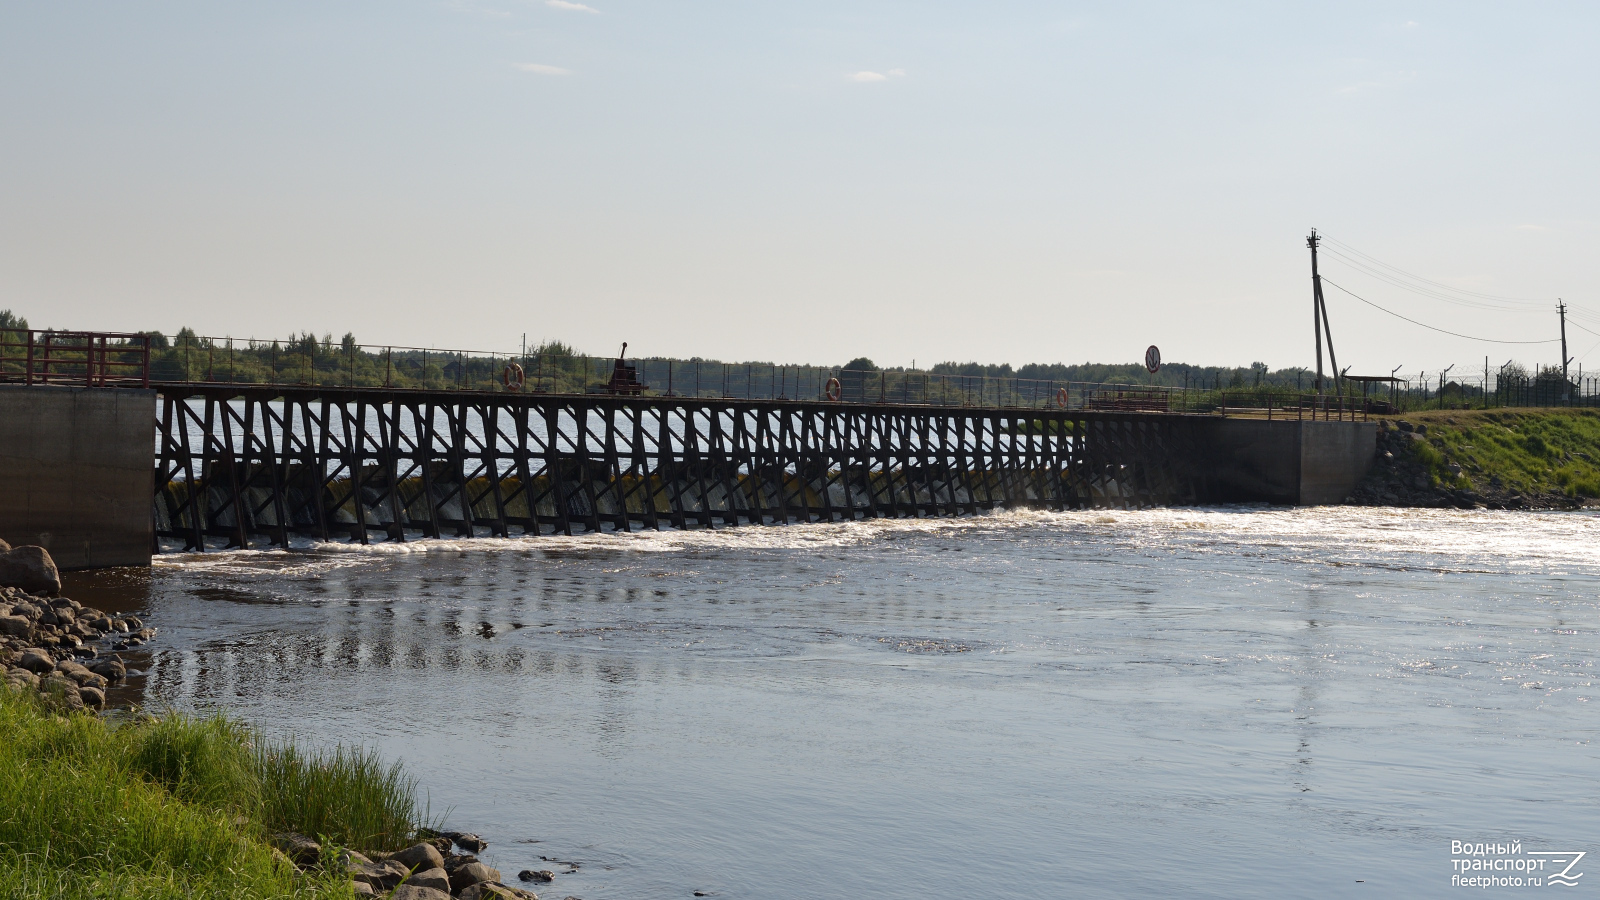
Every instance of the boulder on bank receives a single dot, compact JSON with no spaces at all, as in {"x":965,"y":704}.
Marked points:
{"x":61,"y":691}
{"x":430,"y":878}
{"x":420,"y":857}
{"x":470,"y":874}
{"x":301,"y":850}
{"x":29,"y":569}
{"x":380,"y":876}
{"x":36,"y":661}
{"x":110,"y":668}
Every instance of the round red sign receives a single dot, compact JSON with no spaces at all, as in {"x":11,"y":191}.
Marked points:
{"x":1152,"y":359}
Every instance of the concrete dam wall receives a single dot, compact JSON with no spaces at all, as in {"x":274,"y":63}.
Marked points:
{"x":1299,"y":463}
{"x":77,"y":473}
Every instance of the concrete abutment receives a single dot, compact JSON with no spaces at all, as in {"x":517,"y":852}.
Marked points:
{"x":77,"y":470}
{"x":1293,"y":462}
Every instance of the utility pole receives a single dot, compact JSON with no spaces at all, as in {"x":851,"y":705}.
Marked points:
{"x":1316,"y":304}
{"x":1319,"y":316}
{"x":1561,"y":307}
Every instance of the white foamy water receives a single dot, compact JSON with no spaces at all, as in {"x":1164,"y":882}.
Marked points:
{"x":1228,"y":702}
{"x":1492,"y":539}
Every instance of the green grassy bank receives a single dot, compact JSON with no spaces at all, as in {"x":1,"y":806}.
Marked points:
{"x":1545,"y":453}
{"x":172,"y":807}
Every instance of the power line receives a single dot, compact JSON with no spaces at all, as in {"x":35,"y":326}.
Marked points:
{"x":1437,"y":284}
{"x":1394,"y":281}
{"x":1588,"y":351}
{"x":1432,"y":328}
{"x":1395,"y":276}
{"x":1576,"y":325}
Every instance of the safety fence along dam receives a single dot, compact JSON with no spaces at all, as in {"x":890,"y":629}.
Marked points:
{"x":236,"y":462}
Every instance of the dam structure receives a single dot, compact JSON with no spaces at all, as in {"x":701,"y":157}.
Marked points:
{"x":334,"y":462}
{"x":253,"y":464}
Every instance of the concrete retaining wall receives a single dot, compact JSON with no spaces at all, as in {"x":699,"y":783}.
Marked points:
{"x":1292,"y":462}
{"x":76,"y":473}
{"x":1334,"y":457}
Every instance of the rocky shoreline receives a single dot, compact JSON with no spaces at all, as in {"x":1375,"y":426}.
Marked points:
{"x":48,"y":642}
{"x":65,"y":651}
{"x":429,"y":870}
{"x":69,"y":654}
{"x":1400,"y":476}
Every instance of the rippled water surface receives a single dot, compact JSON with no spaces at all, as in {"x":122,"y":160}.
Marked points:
{"x":1225,"y":702}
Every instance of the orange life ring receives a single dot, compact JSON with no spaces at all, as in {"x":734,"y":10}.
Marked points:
{"x":512,"y":377}
{"x":833,"y":390}
{"x":1061,"y":398}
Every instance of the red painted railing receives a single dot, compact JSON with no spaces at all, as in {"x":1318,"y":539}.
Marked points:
{"x":74,"y":358}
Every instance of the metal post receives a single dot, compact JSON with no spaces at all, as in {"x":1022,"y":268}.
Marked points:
{"x":1316,"y":304}
{"x":1561,"y":306}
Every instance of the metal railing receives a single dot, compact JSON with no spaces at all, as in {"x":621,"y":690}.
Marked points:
{"x":111,"y":360}
{"x":74,"y":358}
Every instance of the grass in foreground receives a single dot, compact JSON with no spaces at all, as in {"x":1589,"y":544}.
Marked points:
{"x":179,"y":807}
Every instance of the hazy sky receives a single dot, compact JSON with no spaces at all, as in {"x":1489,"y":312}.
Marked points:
{"x":804,"y":182}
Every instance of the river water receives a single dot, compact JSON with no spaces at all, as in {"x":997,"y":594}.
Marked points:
{"x":1229,"y":702}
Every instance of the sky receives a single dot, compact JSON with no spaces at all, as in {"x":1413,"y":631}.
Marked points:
{"x":808,"y":183}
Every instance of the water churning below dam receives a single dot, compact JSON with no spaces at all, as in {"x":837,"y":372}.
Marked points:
{"x":1223,"y":701}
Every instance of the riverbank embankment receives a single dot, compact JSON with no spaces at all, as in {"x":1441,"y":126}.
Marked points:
{"x":136,"y":806}
{"x":124,"y":804}
{"x":1494,"y":459}
{"x":143,"y":807}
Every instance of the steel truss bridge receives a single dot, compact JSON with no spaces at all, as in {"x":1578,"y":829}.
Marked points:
{"x":241,"y":463}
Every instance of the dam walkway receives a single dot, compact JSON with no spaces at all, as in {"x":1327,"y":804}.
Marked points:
{"x":234,"y":464}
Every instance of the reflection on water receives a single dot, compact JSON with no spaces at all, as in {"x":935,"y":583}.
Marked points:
{"x":1229,"y":702}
